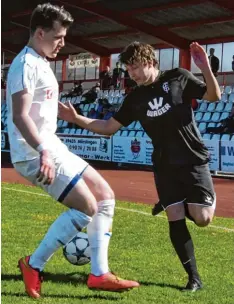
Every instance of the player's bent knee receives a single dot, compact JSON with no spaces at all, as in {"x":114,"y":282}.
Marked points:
{"x":203,"y":220}
{"x":107,"y":207}
{"x":107,"y":193}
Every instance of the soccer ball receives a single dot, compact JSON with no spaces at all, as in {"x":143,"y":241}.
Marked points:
{"x":77,"y":251}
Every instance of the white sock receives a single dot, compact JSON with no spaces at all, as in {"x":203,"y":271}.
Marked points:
{"x":99,"y":232}
{"x":64,"y":228}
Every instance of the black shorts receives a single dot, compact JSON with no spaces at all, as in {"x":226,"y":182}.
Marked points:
{"x":192,"y":183}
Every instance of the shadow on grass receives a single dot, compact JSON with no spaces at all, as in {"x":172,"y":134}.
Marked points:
{"x":162,"y":285}
{"x":72,"y":278}
{"x":80,"y":297}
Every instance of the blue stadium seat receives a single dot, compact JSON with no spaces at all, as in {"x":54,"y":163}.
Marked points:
{"x":86,"y":107}
{"x":228,"y":89}
{"x":203,"y":106}
{"x":66,"y":131}
{"x":225,"y":137}
{"x":131,"y":126}
{"x":231,"y":97}
{"x":202,"y":127}
{"x":224,"y":115}
{"x":78,"y":131}
{"x":118,"y":133}
{"x":140,"y":134}
{"x":132,"y":133}
{"x":215,"y":117}
{"x":198,"y":116}
{"x":211,"y":124}
{"x":232,"y":137}
{"x":228,"y":107}
{"x":221,"y":88}
{"x":206,"y":136}
{"x":224,"y":97}
{"x":63,"y":99}
{"x":138,"y":126}
{"x":65,"y":123}
{"x":73,"y":100}
{"x":73,"y":131}
{"x":124,"y":133}
{"x":60,"y":123}
{"x":216,"y":137}
{"x":211,"y":107}
{"x":206,"y":117}
{"x":145,"y":135}
{"x":85,"y":132}
{"x":220,"y":107}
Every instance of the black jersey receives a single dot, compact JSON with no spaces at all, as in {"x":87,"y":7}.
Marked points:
{"x":164,"y":110}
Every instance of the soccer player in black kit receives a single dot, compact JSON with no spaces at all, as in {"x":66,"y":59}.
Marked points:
{"x":162,"y":104}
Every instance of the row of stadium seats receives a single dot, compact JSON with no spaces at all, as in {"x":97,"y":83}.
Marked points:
{"x":79,"y":99}
{"x":210,"y":117}
{"x":227,"y":89}
{"x":133,"y":133}
{"x":214,"y":107}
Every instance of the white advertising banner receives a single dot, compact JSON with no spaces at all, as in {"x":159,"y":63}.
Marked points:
{"x":227,"y":156}
{"x":135,"y":150}
{"x":213,"y":148}
{"x":90,"y":147}
{"x":83,"y":60}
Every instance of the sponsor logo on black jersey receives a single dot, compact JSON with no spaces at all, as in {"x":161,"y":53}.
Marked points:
{"x":157,"y":108}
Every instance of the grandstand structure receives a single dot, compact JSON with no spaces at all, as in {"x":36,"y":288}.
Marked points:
{"x":105,"y":27}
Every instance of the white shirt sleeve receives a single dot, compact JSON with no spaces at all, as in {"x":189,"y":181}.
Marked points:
{"x":24,"y":77}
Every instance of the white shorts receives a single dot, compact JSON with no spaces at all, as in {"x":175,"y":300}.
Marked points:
{"x":68,"y":170}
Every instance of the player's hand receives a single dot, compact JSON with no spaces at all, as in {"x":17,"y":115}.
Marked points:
{"x":199,"y":56}
{"x":46,"y":175}
{"x":67,"y":112}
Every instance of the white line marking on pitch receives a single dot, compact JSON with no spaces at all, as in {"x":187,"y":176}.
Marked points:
{"x":119,"y":208}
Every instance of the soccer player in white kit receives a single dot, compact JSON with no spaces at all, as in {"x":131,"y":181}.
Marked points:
{"x":39,"y":155}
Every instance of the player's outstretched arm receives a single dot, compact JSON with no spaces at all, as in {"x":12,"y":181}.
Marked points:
{"x":201,"y":60}
{"x":103,"y":127}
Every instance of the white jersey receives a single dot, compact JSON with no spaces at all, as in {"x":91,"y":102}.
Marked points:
{"x":32,"y":72}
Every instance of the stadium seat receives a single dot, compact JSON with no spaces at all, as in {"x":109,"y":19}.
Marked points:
{"x":78,"y":131}
{"x":131,"y":126}
{"x":198,"y":116}
{"x":63,"y":99}
{"x":220,"y":106}
{"x":140,"y":134}
{"x":203,"y":107}
{"x":202,"y":127}
{"x":225,"y":137}
{"x":232,"y":137}
{"x":85,"y":132}
{"x":116,"y":93}
{"x":138,"y":126}
{"x":228,"y":107}
{"x":66,"y":131}
{"x":60,"y":123}
{"x":124,"y":133}
{"x":224,"y":115}
{"x":215,"y":117}
{"x":211,"y":107}
{"x":86,"y":107}
{"x":145,"y":135}
{"x":132,"y":133}
{"x":211,"y":125}
{"x":73,"y":100}
{"x":231,"y":97}
{"x":216,"y":137}
{"x":72,"y":131}
{"x":206,"y":136}
{"x":206,"y":117}
{"x":122,"y":92}
{"x":118,"y":133}
{"x":65,"y":123}
{"x":224,"y":97}
{"x":228,"y":90}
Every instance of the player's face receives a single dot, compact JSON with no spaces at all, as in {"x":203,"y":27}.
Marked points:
{"x":140,"y":73}
{"x":52,"y":41}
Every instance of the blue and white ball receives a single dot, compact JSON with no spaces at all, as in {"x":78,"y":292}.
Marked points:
{"x":77,"y":251}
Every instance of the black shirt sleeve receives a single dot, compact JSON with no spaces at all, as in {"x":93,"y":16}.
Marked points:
{"x":125,"y":114}
{"x":191,"y":85}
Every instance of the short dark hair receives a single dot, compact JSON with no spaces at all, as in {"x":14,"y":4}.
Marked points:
{"x":44,"y":16}
{"x":138,"y":52}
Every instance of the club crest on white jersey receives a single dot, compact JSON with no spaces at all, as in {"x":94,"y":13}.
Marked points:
{"x":157,"y":108}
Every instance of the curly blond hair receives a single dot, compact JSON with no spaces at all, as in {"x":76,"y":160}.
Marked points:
{"x":138,"y":52}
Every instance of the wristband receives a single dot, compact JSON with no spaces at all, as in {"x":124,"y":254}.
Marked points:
{"x":41,"y":147}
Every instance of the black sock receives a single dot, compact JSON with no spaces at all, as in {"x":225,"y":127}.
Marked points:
{"x":183,"y":244}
